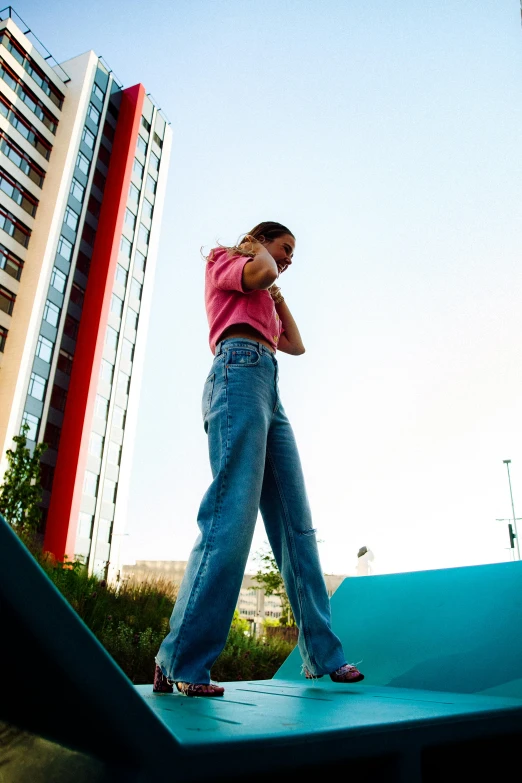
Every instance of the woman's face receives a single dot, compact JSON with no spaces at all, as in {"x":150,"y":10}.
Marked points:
{"x":281,"y":250}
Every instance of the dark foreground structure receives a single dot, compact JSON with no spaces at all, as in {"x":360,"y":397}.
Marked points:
{"x":442,"y":698}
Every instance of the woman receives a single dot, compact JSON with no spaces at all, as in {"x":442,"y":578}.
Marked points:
{"x":255,"y":467}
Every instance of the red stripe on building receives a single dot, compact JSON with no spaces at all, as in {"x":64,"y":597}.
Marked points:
{"x":62,"y":519}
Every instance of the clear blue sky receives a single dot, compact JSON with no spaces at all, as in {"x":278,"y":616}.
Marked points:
{"x":387,"y":136}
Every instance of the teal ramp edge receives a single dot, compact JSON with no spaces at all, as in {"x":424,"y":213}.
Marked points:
{"x":59,"y":682}
{"x":453,"y":629}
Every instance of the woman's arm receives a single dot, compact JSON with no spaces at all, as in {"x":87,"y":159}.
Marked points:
{"x":290,"y":340}
{"x":261,"y":272}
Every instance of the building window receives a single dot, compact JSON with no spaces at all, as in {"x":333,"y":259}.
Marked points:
{"x":104,"y":155}
{"x":11,"y":263}
{"x":46,"y":476}
{"x":21,"y":159}
{"x":123,"y":383}
{"x":101,"y":407}
{"x":108,"y":131}
{"x":90,"y":483}
{"x":33,"y":422}
{"x":36,"y":386}
{"x":144,"y":234}
{"x":154,"y":162}
{"x":94,"y":114}
{"x":138,"y":168}
{"x":65,"y":361}
{"x":130,"y":218}
{"x":113,"y":109}
{"x":83,"y":263}
{"x":52,"y":435}
{"x":131,"y":320}
{"x":25,"y":128}
{"x":109,"y":491}
{"x":98,"y":92}
{"x":17,"y":193}
{"x":136,"y":288}
{"x":44,"y":349}
{"x":71,"y":326}
{"x":51,"y":313}
{"x":111,"y":337}
{"x":96,"y":444}
{"x":32,"y":69}
{"x":77,"y":189}
{"x":58,"y":280}
{"x":99,"y":180}
{"x":14,"y":227}
{"x":146,"y":124}
{"x":158,"y":141}
{"x":134,"y":193}
{"x":94,"y":206}
{"x":89,"y":138}
{"x":58,"y":398}
{"x":71,"y":218}
{"x":151,"y":184}
{"x":77,"y":294}
{"x":104,"y":530}
{"x":142,"y":144}
{"x":28,"y":97}
{"x":7,"y":300}
{"x":65,"y":248}
{"x":121,"y":275}
{"x":88,"y":234}
{"x":125,"y":247}
{"x":147,"y":209}
{"x":85,"y":524}
{"x":127,"y":349}
{"x":83,"y":163}
{"x":3,"y":337}
{"x":139,"y":261}
{"x":116,"y":305}
{"x":118,"y":417}
{"x":114,"y":453}
{"x":106,"y":371}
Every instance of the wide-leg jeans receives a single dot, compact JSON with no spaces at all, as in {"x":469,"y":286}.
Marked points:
{"x":255,"y":467}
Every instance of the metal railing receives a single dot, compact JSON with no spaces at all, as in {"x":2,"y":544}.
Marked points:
{"x":110,"y":71}
{"x":158,"y":107}
{"x":9,"y":13}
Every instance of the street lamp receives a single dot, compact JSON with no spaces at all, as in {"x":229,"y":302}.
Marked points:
{"x":507,"y":463}
{"x":512,"y":535}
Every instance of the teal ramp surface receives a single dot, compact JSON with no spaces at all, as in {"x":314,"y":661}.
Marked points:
{"x":454,"y":629}
{"x":398,"y":725}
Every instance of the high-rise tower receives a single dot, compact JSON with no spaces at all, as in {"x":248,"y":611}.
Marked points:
{"x":83,"y":169}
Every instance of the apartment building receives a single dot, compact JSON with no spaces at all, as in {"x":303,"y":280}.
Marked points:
{"x":83,"y":170}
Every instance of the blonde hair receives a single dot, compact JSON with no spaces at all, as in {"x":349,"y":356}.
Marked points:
{"x":268,"y":230}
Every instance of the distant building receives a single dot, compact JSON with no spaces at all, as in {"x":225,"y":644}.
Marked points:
{"x":253,"y":605}
{"x":83,"y":169}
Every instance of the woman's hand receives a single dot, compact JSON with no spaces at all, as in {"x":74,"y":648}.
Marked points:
{"x":250,"y":245}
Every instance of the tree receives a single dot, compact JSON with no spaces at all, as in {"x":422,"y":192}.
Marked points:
{"x":21,"y":491}
{"x":271,"y":581}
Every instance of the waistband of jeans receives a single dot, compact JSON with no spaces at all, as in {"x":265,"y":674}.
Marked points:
{"x":242,"y":342}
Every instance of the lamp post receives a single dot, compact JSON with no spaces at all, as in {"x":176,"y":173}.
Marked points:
{"x":507,"y":463}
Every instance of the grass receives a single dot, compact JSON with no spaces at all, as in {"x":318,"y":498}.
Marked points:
{"x":131,"y":619}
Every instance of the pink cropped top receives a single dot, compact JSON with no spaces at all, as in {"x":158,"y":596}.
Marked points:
{"x":227,"y":302}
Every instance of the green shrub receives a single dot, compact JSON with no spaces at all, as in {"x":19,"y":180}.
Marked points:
{"x":131,"y":619}
{"x":249,"y":658}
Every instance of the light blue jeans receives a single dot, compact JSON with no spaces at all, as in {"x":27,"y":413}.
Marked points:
{"x":255,"y":467}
